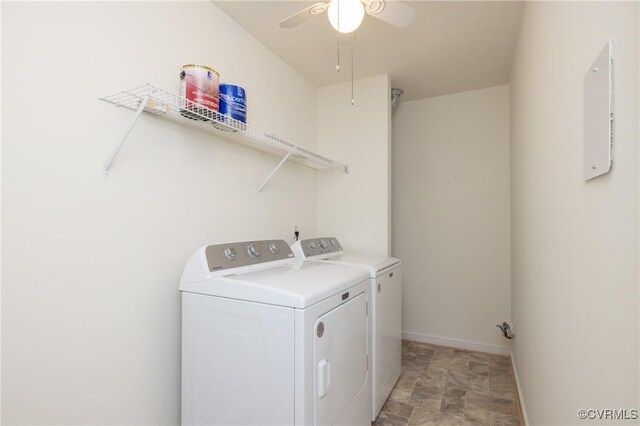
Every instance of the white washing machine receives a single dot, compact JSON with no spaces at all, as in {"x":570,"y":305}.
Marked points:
{"x":386,"y":313}
{"x":268,"y":340}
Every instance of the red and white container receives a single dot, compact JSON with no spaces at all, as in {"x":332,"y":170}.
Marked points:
{"x":199,"y":85}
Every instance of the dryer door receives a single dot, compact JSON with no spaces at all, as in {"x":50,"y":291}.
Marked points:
{"x":340,"y":359}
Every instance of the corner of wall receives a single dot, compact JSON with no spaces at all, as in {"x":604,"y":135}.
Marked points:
{"x":389,"y":169}
{"x":523,"y":408}
{"x":355,"y":207}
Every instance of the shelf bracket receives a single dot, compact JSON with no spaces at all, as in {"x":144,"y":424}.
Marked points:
{"x":273,"y":172}
{"x":114,"y":154}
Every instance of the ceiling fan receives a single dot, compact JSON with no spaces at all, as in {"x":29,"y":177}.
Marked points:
{"x":347,"y":15}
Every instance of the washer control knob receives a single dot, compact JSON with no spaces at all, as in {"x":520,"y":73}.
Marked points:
{"x":253,"y":251}
{"x":230,"y":253}
{"x":322,"y":244}
{"x":274,"y":248}
{"x":312,"y":244}
{"x":332,"y":242}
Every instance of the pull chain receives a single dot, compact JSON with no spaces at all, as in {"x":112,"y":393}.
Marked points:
{"x":353,"y":39}
{"x":338,"y":38}
{"x":338,"y":48}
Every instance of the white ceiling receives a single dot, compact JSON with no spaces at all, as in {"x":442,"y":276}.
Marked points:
{"x":451,"y":47}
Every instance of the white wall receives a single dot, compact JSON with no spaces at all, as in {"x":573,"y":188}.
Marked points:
{"x":575,"y":293}
{"x":91,"y":311}
{"x":451,"y":216}
{"x":0,"y":228}
{"x":355,"y":207}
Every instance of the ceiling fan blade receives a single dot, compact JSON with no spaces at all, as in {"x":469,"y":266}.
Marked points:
{"x":392,"y":12}
{"x":303,"y":15}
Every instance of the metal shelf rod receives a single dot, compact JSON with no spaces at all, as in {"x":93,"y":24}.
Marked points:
{"x":114,"y":154}
{"x":273,"y":172}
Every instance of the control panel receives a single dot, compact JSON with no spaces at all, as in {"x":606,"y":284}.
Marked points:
{"x":234,"y":255}
{"x":318,"y":246}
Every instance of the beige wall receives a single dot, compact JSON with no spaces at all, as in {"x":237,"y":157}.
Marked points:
{"x":575,"y":243}
{"x":355,"y":207}
{"x":90,"y":306}
{"x":451,"y":216}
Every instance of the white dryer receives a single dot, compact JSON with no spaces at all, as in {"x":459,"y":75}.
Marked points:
{"x":386,"y":312}
{"x":268,"y":340}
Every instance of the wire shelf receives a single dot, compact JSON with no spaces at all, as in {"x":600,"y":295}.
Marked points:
{"x":159,"y":102}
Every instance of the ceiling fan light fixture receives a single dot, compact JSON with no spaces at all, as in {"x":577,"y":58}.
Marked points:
{"x":345,"y":15}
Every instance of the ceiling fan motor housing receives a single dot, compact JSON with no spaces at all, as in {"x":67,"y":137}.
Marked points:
{"x":396,"y":13}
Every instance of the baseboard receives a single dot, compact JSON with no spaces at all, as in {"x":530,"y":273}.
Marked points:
{"x":523,"y":410}
{"x":455,"y":343}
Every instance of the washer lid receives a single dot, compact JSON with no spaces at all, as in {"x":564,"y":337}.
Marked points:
{"x":328,"y":249}
{"x":372,"y":263}
{"x":295,"y":285}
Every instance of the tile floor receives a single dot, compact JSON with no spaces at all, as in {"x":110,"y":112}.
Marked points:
{"x":447,"y":386}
